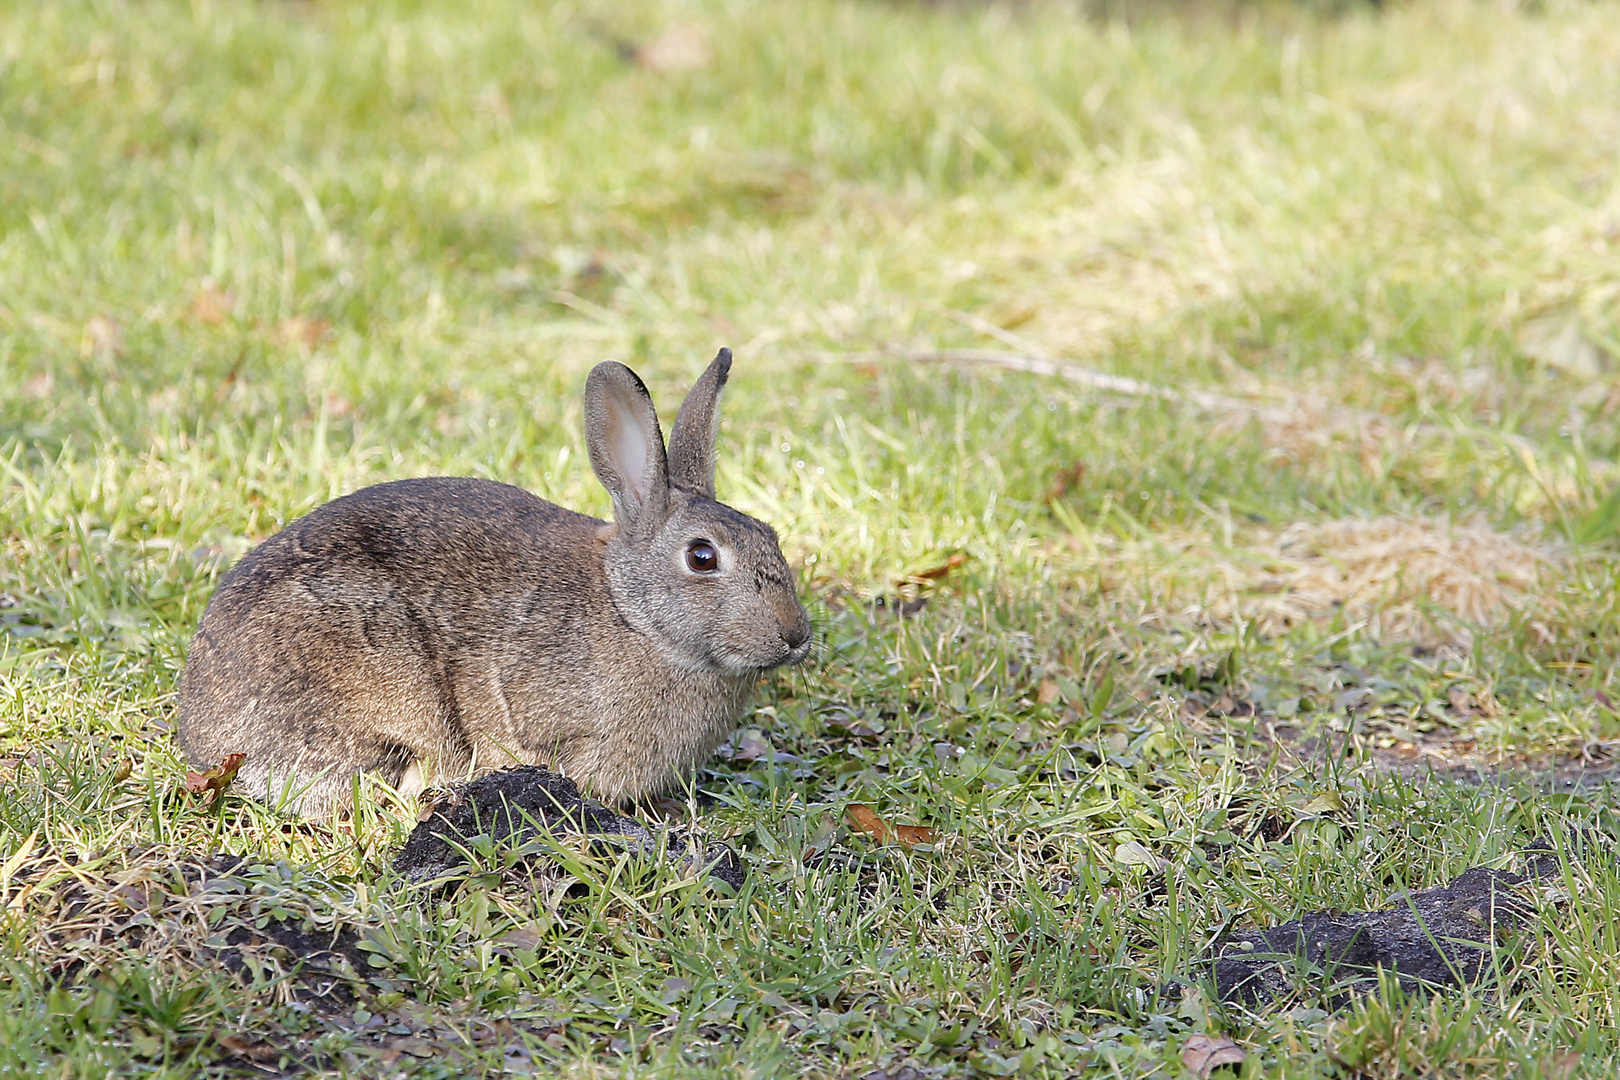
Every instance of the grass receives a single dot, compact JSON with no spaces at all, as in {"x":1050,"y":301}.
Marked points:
{"x":1360,"y":263}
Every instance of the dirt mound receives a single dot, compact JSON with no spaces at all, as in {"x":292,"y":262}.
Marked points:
{"x":298,"y":935}
{"x":525,"y":808}
{"x":1453,"y":935}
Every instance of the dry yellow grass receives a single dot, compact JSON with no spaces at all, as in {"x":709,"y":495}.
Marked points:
{"x":1401,"y":575}
{"x":1413,"y":579}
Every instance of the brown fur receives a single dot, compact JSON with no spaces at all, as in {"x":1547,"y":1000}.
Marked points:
{"x":447,"y":626}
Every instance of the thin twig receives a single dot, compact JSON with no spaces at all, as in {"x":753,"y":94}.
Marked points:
{"x":1123,"y":385}
{"x":1029,"y":357}
{"x":1295,"y":408}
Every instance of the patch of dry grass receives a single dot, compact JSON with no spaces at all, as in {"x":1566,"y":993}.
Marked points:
{"x":1402,"y":577}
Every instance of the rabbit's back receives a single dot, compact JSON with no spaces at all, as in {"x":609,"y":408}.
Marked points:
{"x":459,"y":556}
{"x":364,"y":635}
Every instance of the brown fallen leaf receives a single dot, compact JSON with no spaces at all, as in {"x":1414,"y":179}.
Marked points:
{"x":934,"y":573}
{"x":1064,"y":481}
{"x":244,"y":1046}
{"x":1203,"y":1054}
{"x":863,"y":818}
{"x":912,"y":835}
{"x":213,"y":781}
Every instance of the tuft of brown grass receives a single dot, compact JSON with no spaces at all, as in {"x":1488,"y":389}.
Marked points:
{"x":1397,"y":574}
{"x":1421,"y":579}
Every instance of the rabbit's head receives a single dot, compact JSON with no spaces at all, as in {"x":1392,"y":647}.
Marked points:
{"x":706,"y":582}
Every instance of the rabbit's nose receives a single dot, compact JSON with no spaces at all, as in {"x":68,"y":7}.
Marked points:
{"x":797,"y":632}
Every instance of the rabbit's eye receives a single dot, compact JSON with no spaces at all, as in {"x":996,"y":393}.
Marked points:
{"x":702,"y":557}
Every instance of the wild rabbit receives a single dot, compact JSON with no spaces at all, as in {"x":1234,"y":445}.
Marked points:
{"x":430,"y":629}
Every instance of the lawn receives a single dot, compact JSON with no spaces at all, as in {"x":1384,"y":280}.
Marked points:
{"x":1196,"y":428}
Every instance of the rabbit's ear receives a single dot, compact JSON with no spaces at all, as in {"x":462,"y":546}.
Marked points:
{"x":691,"y":440}
{"x":627,"y":449}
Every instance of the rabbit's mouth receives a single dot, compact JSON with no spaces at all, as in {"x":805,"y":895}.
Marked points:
{"x":799,"y":653}
{"x":751,"y":664}
{"x":750,"y":667}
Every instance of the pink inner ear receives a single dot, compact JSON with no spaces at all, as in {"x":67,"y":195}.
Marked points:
{"x":628,"y":447}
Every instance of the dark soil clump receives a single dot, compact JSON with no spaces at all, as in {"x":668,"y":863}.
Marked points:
{"x":516,"y":806}
{"x":1426,"y":939}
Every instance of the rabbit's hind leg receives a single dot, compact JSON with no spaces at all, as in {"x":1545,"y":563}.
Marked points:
{"x":416,"y":769}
